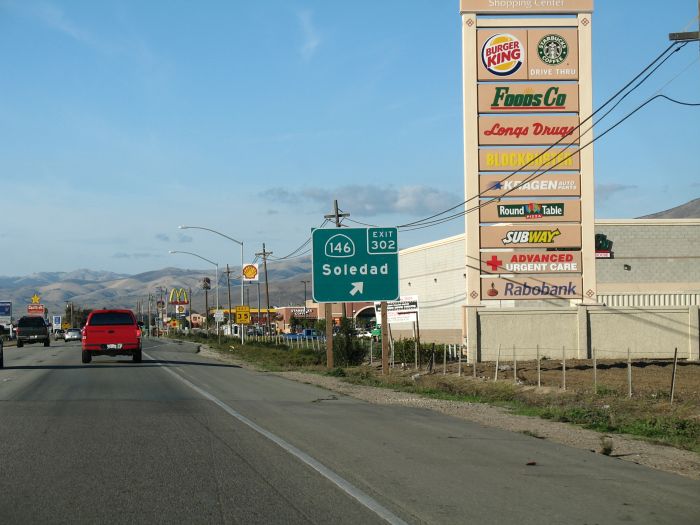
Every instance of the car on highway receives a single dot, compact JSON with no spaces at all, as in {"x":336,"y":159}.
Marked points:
{"x":111,"y":332}
{"x":72,"y":334}
{"x":32,"y":329}
{"x":58,"y":334}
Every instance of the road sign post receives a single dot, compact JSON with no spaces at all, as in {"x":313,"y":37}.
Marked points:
{"x":355,"y":264}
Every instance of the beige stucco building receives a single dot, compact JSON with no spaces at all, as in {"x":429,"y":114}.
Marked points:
{"x":649,"y":292}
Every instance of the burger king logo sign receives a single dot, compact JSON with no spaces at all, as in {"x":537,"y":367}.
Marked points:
{"x":502,"y":54}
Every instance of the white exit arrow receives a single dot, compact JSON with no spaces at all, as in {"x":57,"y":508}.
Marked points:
{"x":357,"y":287}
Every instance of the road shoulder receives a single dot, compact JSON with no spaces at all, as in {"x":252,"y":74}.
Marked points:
{"x":624,"y":447}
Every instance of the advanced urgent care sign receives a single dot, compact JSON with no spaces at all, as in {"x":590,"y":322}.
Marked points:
{"x":527,"y":80}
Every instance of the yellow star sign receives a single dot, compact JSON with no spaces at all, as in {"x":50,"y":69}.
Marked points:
{"x":35,"y":299}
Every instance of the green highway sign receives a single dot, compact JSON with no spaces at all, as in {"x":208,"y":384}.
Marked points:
{"x":354,"y":265}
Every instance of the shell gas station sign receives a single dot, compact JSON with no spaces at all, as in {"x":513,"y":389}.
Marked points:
{"x":527,"y":87}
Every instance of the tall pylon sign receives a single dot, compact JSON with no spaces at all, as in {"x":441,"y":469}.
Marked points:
{"x":528,"y":168}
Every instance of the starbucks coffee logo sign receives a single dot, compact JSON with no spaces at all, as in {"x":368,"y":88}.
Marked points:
{"x":552,"y":49}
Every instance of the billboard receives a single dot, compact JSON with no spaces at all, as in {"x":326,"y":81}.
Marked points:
{"x":531,"y":211}
{"x":405,"y":310}
{"x":5,"y":312}
{"x":524,"y":185}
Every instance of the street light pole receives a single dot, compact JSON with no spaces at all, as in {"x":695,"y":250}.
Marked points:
{"x":217,"y":282}
{"x":183,"y":227}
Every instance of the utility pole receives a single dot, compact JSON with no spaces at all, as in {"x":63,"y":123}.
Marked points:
{"x":689,"y":36}
{"x":336,"y":216}
{"x":149,"y":316}
{"x":264,"y":255}
{"x":228,"y":284}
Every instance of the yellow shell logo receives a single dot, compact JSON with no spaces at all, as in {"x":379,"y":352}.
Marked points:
{"x":250,"y":271}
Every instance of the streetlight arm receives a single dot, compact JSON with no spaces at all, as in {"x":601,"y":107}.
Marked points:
{"x":190,"y":253}
{"x":183,"y":227}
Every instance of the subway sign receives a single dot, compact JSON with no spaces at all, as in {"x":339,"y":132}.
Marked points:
{"x":528,"y":98}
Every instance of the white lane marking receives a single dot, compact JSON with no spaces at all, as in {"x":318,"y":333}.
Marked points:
{"x":327,"y":473}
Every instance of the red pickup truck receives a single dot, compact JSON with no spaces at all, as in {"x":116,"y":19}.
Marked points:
{"x":111,"y":332}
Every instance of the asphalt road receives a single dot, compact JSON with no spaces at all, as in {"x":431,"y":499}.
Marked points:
{"x":183,"y":439}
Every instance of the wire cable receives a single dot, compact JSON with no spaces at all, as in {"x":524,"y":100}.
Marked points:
{"x":623,"y":119}
{"x":620,"y":91}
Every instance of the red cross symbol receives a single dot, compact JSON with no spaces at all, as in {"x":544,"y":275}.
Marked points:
{"x":495,"y":263}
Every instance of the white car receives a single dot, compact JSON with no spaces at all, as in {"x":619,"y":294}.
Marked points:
{"x":72,"y":334}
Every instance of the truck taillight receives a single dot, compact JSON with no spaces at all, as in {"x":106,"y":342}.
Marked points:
{"x":138,"y":332}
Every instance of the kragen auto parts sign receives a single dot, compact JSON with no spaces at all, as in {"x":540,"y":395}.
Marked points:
{"x":520,"y":185}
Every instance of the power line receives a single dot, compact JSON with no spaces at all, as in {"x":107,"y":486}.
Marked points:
{"x":482,"y":204}
{"x":649,"y":66}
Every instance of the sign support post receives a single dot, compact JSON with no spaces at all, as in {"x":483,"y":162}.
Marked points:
{"x":385,"y":340}
{"x":329,"y":335}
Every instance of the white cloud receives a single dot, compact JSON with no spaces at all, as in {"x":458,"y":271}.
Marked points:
{"x":371,"y":200}
{"x":311,"y":38}
{"x":605,"y":191}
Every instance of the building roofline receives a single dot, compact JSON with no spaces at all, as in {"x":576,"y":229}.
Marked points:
{"x":648,"y":222}
{"x":599,"y":222}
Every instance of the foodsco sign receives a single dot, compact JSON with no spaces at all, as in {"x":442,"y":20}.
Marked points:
{"x":528,"y":98}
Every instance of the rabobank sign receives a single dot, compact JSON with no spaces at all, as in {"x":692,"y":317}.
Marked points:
{"x":523,"y":288}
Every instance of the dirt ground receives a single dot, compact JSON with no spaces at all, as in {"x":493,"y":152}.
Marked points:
{"x":650,"y":378}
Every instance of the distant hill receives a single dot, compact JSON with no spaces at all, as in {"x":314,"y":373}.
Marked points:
{"x":94,"y":289}
{"x":689,"y":210}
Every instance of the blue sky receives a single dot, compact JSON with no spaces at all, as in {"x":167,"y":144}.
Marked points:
{"x":120,"y":120}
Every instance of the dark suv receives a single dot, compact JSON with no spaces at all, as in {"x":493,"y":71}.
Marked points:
{"x":32,"y":329}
